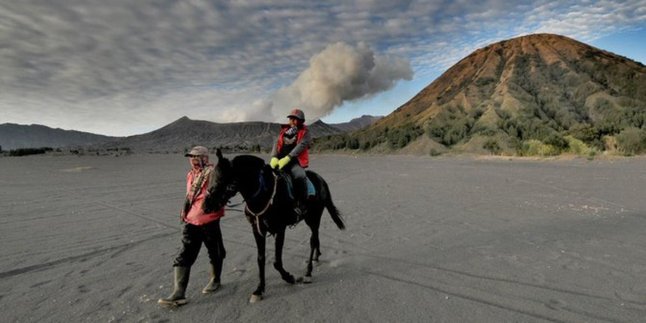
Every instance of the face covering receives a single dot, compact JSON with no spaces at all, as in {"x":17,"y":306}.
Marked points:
{"x":291,"y":132}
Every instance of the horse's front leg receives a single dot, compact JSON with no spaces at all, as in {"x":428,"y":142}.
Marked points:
{"x":278,"y":263}
{"x":260,"y":246}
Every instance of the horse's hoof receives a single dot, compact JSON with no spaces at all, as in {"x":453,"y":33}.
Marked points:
{"x":255,"y":298}
{"x":304,"y":280}
{"x":289,"y":278}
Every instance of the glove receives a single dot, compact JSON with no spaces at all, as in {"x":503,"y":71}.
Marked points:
{"x":283,"y":161}
{"x":273,"y":162}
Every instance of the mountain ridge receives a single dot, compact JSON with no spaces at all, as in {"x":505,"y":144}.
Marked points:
{"x":183,"y":133}
{"x":13,"y":136}
{"x":175,"y":136}
{"x":536,"y":89}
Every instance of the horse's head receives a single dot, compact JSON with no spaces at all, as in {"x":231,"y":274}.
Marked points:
{"x":222,"y":186}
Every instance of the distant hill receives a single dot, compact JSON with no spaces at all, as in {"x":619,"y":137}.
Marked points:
{"x":13,"y":136}
{"x":184,"y":133}
{"x":174,"y":137}
{"x":539,"y":92}
{"x":357,"y":123}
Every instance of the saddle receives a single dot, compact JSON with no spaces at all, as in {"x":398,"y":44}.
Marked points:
{"x":287,"y":178}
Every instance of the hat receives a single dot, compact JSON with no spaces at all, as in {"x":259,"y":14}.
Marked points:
{"x":298,"y":114}
{"x":198,"y":151}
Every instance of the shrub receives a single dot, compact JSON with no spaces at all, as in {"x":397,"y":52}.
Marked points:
{"x":589,"y":134}
{"x":330,"y":142}
{"x":631,"y":141}
{"x":28,"y":151}
{"x":492,"y":146}
{"x":402,"y":136}
{"x":485,"y":81}
{"x":556,"y":140}
{"x":450,"y":126}
{"x":578,"y":147}
{"x":535,"y":147}
{"x":353,"y":144}
{"x":487,"y":132}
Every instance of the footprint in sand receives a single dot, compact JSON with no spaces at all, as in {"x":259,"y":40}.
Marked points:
{"x":76,"y":169}
{"x":556,"y":304}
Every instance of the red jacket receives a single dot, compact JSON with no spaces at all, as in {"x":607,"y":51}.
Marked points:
{"x":304,"y":156}
{"x":196,"y":215}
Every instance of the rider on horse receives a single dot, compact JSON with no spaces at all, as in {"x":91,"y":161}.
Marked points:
{"x":290,"y":154}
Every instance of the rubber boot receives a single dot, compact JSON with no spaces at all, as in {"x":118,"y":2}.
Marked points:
{"x":178,"y":297}
{"x":214,"y":282}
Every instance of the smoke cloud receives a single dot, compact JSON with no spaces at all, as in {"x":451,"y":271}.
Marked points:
{"x":339,"y":73}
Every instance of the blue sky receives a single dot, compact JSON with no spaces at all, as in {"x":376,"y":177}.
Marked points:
{"x":630,"y":43}
{"x":127,"y":67}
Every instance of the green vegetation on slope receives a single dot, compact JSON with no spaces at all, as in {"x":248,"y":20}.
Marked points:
{"x":579,"y":106}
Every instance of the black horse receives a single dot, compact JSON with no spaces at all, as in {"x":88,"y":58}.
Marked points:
{"x":269,"y":208}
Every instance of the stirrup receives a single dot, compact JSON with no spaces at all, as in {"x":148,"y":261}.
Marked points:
{"x":300,"y":209}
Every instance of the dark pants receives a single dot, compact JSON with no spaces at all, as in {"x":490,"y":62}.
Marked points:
{"x":299,"y":179}
{"x":192,"y":238}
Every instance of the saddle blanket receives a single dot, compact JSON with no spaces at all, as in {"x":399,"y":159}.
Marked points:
{"x":311,"y":190}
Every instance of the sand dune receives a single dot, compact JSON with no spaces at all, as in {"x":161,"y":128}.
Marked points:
{"x":428,"y":239}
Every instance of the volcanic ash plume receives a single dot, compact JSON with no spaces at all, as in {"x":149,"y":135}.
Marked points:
{"x":339,"y":73}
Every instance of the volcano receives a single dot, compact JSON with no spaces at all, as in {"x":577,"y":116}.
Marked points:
{"x":542,"y":88}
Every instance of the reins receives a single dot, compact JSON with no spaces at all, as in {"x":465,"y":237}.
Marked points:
{"x":257,"y":215}
{"x":261,"y":186}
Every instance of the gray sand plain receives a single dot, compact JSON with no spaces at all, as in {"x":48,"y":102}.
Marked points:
{"x":447,"y":239}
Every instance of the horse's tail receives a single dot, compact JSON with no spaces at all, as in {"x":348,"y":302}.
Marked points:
{"x":329,"y":205}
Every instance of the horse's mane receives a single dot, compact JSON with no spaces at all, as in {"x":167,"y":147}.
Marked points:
{"x":247,"y":165}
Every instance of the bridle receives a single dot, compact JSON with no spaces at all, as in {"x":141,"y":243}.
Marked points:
{"x":257,"y":215}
